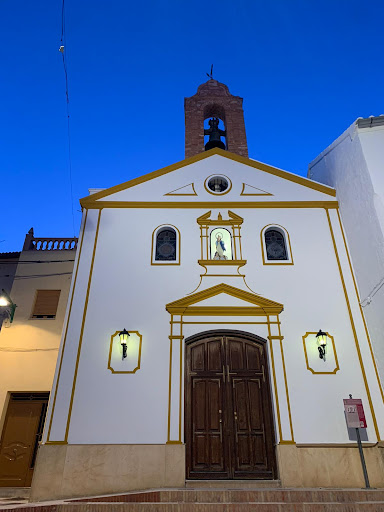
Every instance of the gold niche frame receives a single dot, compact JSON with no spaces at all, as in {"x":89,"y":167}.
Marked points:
{"x":233,"y":225}
{"x":113,"y":336}
{"x":335,"y":370}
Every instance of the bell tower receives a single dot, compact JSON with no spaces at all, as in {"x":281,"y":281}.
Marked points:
{"x":213,"y":101}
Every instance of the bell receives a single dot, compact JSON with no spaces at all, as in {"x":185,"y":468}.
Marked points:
{"x":215,"y":134}
{"x":214,"y":144}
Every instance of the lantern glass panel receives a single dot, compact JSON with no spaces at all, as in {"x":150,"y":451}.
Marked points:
{"x":124,"y":337}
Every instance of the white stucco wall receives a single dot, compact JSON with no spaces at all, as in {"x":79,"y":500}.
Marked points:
{"x":125,"y":290}
{"x":353,"y":165}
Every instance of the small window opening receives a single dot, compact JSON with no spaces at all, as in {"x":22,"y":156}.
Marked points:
{"x":46,"y":304}
{"x":166,"y":245}
{"x":275,"y":245}
{"x":218,"y":184}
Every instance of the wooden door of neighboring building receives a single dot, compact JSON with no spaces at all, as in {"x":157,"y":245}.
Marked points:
{"x":229,"y":430}
{"x":22,"y":432}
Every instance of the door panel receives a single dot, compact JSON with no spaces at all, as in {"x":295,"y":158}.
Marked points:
{"x":228,"y":411}
{"x":215,"y":356}
{"x":22,"y":430}
{"x":207,"y":440}
{"x":249,"y":428}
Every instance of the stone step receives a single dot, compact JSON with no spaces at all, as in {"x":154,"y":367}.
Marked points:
{"x":210,"y":496}
{"x":232,"y":484}
{"x":15,"y":492}
{"x":216,"y":500}
{"x":206,"y":507}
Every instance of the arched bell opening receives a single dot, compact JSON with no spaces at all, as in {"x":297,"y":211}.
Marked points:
{"x":229,"y":428}
{"x":214,"y":127}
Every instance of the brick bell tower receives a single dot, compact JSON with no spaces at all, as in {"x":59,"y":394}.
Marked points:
{"x":214,"y":101}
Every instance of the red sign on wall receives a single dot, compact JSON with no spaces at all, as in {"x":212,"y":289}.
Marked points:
{"x":354,"y":413}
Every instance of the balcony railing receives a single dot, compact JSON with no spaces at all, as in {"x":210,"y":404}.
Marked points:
{"x":48,"y":244}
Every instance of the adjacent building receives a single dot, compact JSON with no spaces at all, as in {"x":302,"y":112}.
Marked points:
{"x":41,"y":276}
{"x":8,"y":266}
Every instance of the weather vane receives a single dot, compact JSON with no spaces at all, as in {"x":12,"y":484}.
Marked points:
{"x":209,"y":75}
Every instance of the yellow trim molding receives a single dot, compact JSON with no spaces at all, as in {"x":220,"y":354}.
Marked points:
{"x":285,"y":378}
{"x":353,"y":328}
{"x":265,"y":305}
{"x":240,"y":263}
{"x":66,"y":331}
{"x":174,"y":192}
{"x":361,"y":309}
{"x":218,"y":193}
{"x":263,"y":192}
{"x":334,"y":351}
{"x":202,"y":156}
{"x":221,"y":311}
{"x":274,"y":381}
{"x":139,"y":353}
{"x":288,"y":246}
{"x":178,"y":246}
{"x":336,"y":445}
{"x":206,"y":204}
{"x":234,"y":220}
{"x":82,"y":328}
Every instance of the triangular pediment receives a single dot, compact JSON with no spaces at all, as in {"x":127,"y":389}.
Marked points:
{"x":224,"y":299}
{"x":249,"y":181}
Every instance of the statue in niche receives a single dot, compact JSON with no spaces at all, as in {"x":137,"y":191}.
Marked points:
{"x":220,"y":248}
{"x":215,"y":133}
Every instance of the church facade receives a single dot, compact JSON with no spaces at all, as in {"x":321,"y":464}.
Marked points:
{"x":213,"y":330}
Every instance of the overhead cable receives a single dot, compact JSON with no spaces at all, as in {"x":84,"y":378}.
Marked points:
{"x":63,"y":54}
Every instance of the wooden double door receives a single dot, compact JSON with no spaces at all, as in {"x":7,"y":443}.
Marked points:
{"x":229,"y":429}
{"x":20,"y":439}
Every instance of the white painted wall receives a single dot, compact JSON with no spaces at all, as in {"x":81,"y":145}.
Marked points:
{"x":127,"y":291}
{"x":353,"y":165}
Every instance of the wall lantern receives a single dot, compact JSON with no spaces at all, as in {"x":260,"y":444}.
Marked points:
{"x":6,"y":302}
{"x":124,"y":340}
{"x":322,"y":338}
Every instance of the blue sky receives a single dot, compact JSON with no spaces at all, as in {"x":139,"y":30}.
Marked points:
{"x":305,"y":69}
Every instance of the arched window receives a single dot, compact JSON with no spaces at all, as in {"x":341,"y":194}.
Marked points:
{"x":165,"y":245}
{"x":276,"y":245}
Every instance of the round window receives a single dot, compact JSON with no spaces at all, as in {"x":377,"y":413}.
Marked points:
{"x":218,"y":184}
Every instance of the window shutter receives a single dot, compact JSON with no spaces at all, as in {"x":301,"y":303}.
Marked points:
{"x":46,"y":303}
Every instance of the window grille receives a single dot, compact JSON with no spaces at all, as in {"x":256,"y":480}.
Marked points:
{"x":275,"y":245}
{"x":166,"y":245}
